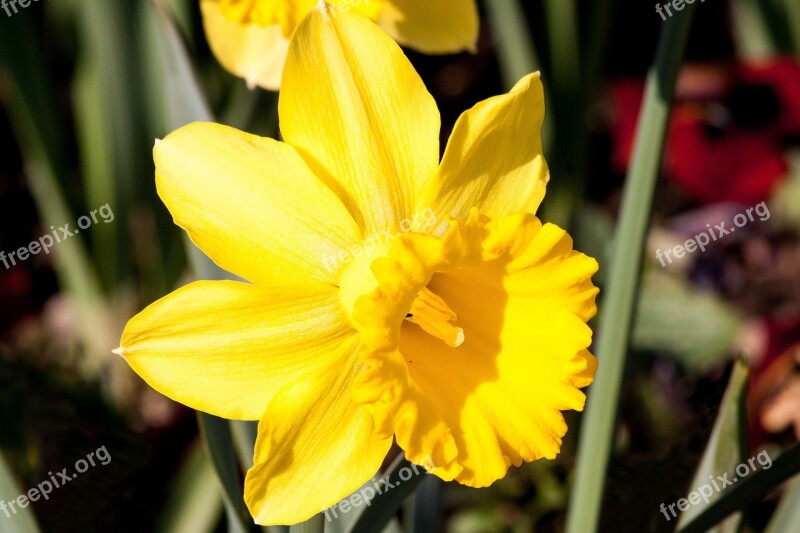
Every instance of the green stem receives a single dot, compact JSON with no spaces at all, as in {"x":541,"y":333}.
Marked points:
{"x":599,"y":421}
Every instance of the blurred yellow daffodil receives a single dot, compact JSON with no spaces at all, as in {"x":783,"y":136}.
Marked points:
{"x":460,"y":332}
{"x":250,"y":38}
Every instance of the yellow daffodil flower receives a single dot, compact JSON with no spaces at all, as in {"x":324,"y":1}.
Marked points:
{"x":388,"y":295}
{"x":250,"y":38}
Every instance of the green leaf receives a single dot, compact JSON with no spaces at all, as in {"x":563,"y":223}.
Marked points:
{"x":195,"y":502}
{"x":747,"y":491}
{"x":751,"y":29}
{"x":244,"y":437}
{"x":784,"y":202}
{"x":422,"y":510}
{"x":787,"y":515}
{"x":23,"y":521}
{"x":726,"y":445}
{"x":793,"y":17}
{"x":315,"y":524}
{"x":33,"y":112}
{"x":185,"y":101}
{"x":383,"y":508}
{"x":218,"y":441}
{"x":616,"y":315}
{"x":109,"y":124}
{"x":566,"y":117}
{"x":515,"y":49}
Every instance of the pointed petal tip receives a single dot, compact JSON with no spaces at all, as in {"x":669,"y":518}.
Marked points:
{"x":118,"y":351}
{"x":156,"y":143}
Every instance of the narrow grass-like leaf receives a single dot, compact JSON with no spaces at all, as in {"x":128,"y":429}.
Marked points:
{"x":516,"y":51}
{"x":793,"y":17}
{"x":217,"y":438}
{"x":766,"y":25}
{"x":422,"y":510}
{"x":616,"y":316}
{"x":195,"y":502}
{"x":32,"y":109}
{"x":315,"y":524}
{"x":23,"y":521}
{"x":787,"y":515}
{"x":376,"y":516}
{"x":255,"y":112}
{"x":750,"y":30}
{"x":566,"y":157}
{"x":726,"y":445}
{"x":747,"y":491}
{"x":185,"y":101}
{"x":102,"y":115}
{"x":244,"y":437}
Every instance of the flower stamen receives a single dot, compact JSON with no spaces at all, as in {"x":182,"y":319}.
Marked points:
{"x":434,"y":316}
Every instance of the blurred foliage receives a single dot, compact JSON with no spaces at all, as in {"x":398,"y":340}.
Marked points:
{"x":85,"y":88}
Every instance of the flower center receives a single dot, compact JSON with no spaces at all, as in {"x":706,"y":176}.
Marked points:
{"x":388,"y":287}
{"x":434,"y":316}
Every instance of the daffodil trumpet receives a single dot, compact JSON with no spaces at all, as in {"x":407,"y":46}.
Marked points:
{"x":462,"y":341}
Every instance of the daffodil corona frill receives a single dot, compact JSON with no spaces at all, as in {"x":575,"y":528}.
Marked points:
{"x":250,"y":38}
{"x":463,"y":339}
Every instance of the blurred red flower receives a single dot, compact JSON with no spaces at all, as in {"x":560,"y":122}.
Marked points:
{"x":728,"y":132}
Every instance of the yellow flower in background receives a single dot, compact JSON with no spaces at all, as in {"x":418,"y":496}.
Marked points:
{"x":250,"y":38}
{"x":460,"y":332}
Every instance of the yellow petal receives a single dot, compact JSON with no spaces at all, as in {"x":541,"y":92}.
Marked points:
{"x":494,"y":159}
{"x":432,"y":27}
{"x":227,"y":347}
{"x":315,"y":446}
{"x":355,"y":108}
{"x":252,"y":52}
{"x":252,"y":205}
